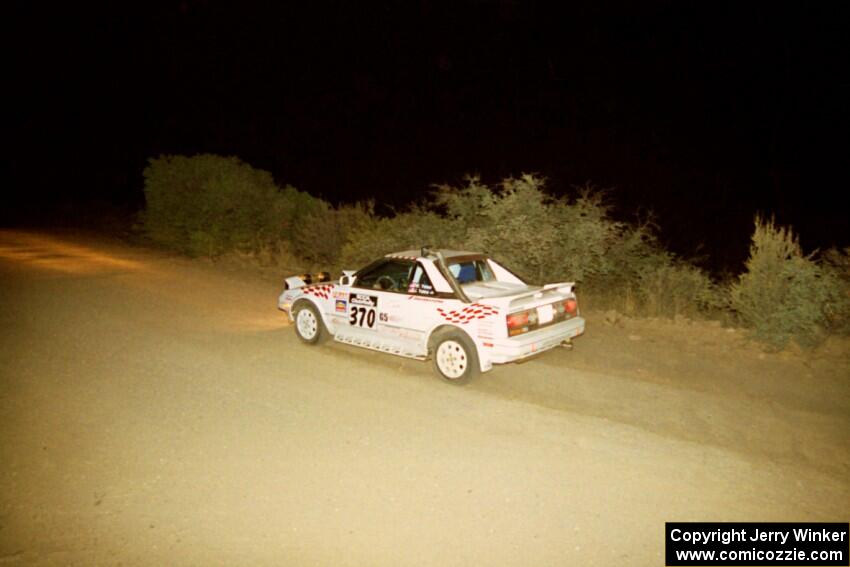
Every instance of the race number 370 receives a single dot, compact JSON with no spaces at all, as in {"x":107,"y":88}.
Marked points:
{"x":362,"y":316}
{"x":363,"y":310}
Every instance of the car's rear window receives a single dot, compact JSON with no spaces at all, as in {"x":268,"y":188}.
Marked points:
{"x":469,"y":271}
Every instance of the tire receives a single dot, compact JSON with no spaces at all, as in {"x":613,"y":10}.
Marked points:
{"x":308,"y":323}
{"x":454,"y":356}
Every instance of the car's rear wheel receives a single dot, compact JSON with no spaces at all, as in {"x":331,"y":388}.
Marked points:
{"x":454,"y":356}
{"x":308,"y":323}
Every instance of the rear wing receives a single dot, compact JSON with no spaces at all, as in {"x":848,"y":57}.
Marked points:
{"x":542,"y":293}
{"x":563,"y":287}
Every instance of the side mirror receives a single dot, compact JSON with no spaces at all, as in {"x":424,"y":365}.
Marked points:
{"x":347,"y":277}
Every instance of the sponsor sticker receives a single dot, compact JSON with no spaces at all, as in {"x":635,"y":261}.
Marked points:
{"x":363,"y":299}
{"x":341,"y":306}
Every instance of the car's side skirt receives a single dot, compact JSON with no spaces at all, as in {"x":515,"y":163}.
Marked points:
{"x":379,"y":343}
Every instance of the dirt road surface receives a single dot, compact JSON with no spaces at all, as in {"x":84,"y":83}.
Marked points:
{"x":156,"y":410}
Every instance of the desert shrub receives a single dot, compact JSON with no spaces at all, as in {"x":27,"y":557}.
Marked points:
{"x":836,"y":266}
{"x":674,"y":288}
{"x":409,"y":229}
{"x":323,"y":232}
{"x":208,"y":205}
{"x":300,"y":218}
{"x":512,"y":223}
{"x":542,"y":238}
{"x":784,"y":294}
{"x":588,"y":241}
{"x":552,"y":239}
{"x":539,"y":236}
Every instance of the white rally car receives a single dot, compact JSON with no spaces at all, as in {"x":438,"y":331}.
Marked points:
{"x":462,"y":309}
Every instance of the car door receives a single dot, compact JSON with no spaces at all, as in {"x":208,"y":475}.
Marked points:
{"x":420,"y":307}
{"x":375,"y":298}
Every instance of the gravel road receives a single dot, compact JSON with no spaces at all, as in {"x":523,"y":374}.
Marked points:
{"x":157,"y":410}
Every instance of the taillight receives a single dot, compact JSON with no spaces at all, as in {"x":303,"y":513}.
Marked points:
{"x":571,"y":306}
{"x":518,"y":320}
{"x":519,"y":323}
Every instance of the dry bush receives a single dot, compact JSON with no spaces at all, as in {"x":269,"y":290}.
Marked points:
{"x":540,"y":237}
{"x":512,"y":223}
{"x":407,"y":230}
{"x":544,"y":239}
{"x":836,"y":265}
{"x":208,"y":205}
{"x":676,"y":288}
{"x":555,"y":239}
{"x":785,"y":294}
{"x":321,"y":233}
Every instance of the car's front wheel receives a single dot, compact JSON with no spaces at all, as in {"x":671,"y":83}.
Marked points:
{"x":308,"y":323}
{"x":454,"y":356}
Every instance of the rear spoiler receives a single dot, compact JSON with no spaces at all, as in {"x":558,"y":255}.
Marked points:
{"x":562,"y":287}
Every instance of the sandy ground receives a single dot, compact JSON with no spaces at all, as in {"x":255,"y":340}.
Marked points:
{"x":156,"y":410}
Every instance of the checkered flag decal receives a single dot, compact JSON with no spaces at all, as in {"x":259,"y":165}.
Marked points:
{"x":467,"y":314}
{"x":323,"y":291}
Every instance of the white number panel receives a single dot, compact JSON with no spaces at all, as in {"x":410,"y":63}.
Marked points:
{"x":362,"y":310}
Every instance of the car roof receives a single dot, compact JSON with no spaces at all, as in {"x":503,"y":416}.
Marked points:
{"x":447,"y":254}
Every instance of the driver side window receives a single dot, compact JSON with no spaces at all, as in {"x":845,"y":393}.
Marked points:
{"x":391,"y":275}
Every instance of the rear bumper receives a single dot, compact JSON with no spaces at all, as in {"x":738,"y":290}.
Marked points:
{"x":535,"y":342}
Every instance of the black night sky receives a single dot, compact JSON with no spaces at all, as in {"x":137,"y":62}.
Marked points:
{"x":704,"y":113}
